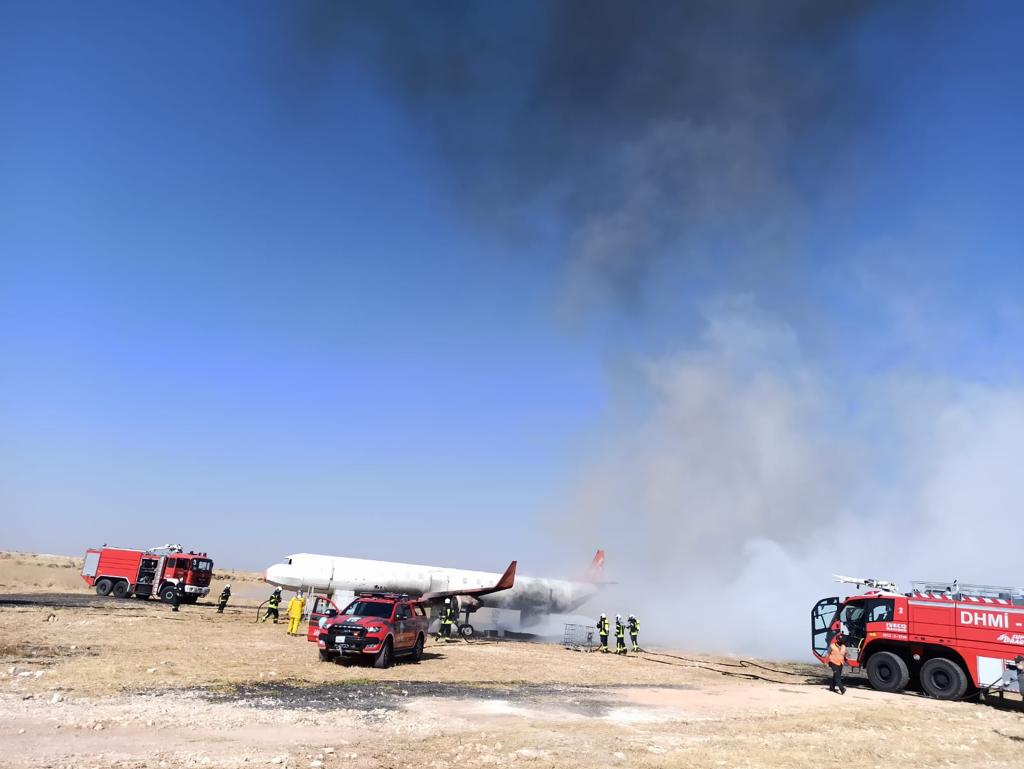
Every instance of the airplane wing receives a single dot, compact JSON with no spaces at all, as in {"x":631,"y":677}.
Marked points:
{"x":508,"y":579}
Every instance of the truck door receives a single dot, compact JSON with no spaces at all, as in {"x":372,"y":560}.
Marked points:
{"x":402,"y":624}
{"x":145,"y":584}
{"x":855,"y":619}
{"x":822,"y":616}
{"x":322,"y":607}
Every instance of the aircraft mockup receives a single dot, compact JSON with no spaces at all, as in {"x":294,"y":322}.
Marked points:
{"x":340,"y":577}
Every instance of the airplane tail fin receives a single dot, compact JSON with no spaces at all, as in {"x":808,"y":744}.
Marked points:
{"x":596,"y":571}
{"x":508,"y":579}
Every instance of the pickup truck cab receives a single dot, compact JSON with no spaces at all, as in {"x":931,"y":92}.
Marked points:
{"x":377,"y":626}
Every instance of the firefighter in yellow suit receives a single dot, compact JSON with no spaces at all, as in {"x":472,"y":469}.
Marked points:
{"x":295,"y":607}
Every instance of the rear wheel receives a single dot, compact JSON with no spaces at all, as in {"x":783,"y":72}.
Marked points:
{"x":887,"y":672}
{"x":167,"y":593}
{"x":943,"y":679}
{"x":417,"y":650}
{"x":325,"y":656}
{"x":466,"y":631}
{"x":103,"y":586}
{"x":120,"y":589}
{"x":383,"y":658}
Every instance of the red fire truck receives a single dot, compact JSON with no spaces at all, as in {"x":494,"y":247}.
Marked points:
{"x":123,"y":572}
{"x":948,"y":637}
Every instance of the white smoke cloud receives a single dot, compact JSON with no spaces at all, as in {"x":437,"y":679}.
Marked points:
{"x":753,"y":476}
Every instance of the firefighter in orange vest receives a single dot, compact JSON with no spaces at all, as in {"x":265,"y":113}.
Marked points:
{"x":836,"y":660}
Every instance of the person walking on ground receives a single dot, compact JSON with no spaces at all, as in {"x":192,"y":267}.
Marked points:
{"x":836,"y":660}
{"x":634,"y":632}
{"x":620,"y":635}
{"x":273,"y":606}
{"x":225,"y":594}
{"x":295,"y":607}
{"x":447,"y":617}
{"x":602,"y":630}
{"x":179,"y":595}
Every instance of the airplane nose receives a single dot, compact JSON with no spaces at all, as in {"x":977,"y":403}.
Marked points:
{"x":281,"y":574}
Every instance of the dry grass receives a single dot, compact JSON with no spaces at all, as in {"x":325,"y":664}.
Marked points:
{"x":130,"y":672}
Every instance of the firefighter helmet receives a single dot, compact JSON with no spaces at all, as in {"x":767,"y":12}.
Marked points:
{"x":447,"y":600}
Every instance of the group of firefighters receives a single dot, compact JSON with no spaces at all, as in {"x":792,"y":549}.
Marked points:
{"x":632,"y":624}
{"x":295,"y":609}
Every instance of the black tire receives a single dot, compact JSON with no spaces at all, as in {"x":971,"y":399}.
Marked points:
{"x":103,"y":586}
{"x":943,"y":679}
{"x":383,"y":658}
{"x":888,"y":672}
{"x":120,"y":589}
{"x":167,"y":593}
{"x":417,"y":650}
{"x":325,"y":656}
{"x":467,"y":631}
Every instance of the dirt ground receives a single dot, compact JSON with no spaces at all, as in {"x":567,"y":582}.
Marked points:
{"x":132,"y":684}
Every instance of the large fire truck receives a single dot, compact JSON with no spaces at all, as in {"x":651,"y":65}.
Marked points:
{"x":123,"y":572}
{"x":950,"y":638}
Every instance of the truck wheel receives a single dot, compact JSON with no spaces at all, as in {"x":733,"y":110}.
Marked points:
{"x":103,"y":586}
{"x":943,"y":679}
{"x":466,"y":631}
{"x":167,"y":593}
{"x":887,"y":672}
{"x":120,"y":589}
{"x":417,"y":650}
{"x":383,"y":658}
{"x":325,"y":656}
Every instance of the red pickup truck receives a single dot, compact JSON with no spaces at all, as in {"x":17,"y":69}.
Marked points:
{"x":380,"y":626}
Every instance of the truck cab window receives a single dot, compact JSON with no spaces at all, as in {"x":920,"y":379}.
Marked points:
{"x":880,"y":609}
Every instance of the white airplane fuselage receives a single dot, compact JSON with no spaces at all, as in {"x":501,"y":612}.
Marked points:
{"x":333,"y":574}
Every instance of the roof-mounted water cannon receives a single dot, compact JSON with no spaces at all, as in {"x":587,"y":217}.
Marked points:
{"x":878,"y":584}
{"x":166,"y":549}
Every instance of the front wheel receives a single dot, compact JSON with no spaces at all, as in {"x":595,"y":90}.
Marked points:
{"x":943,"y":679}
{"x":167,"y":593}
{"x":466,"y":631}
{"x":104,"y":586}
{"x":887,"y":672}
{"x":383,"y":658}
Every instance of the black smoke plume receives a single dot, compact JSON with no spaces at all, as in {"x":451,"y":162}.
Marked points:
{"x":630,"y":130}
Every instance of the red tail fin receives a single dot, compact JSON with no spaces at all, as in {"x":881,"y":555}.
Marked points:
{"x":596,"y":571}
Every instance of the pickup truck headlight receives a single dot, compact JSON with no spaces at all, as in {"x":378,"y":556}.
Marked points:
{"x":374,"y":629}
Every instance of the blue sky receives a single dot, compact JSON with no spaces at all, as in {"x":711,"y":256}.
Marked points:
{"x":253,"y":315}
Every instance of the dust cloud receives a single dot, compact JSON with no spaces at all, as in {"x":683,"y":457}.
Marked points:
{"x":753,"y":476}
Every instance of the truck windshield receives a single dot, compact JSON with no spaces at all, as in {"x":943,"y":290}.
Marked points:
{"x":369,"y":609}
{"x":201,"y":564}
